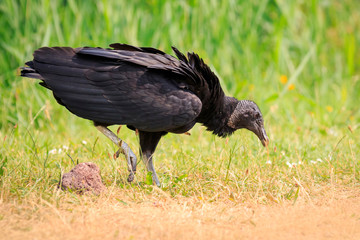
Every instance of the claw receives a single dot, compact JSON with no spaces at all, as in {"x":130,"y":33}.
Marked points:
{"x":131,"y":177}
{"x":123,"y":148}
{"x":118,"y":130}
{"x":117,"y":154}
{"x":156,"y":180}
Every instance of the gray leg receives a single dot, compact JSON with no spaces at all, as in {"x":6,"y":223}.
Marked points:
{"x":148,"y":161}
{"x":124,"y":149}
{"x":148,"y":143}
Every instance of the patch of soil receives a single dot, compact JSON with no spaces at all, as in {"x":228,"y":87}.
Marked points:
{"x":84,"y":177}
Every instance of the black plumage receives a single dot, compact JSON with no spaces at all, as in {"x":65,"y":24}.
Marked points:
{"x":143,"y":88}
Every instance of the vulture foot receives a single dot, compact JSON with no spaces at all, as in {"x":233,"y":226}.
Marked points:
{"x":123,"y":148}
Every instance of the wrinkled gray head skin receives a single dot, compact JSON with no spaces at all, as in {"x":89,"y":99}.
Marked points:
{"x":248,"y":115}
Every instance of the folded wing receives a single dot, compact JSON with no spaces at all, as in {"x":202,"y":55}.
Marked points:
{"x":142,"y":88}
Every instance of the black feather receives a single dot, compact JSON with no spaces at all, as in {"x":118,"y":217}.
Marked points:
{"x":131,"y":81}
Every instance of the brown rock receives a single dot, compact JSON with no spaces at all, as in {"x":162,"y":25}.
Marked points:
{"x":84,"y":177}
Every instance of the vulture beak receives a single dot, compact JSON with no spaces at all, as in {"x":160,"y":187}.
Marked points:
{"x":260,"y":132}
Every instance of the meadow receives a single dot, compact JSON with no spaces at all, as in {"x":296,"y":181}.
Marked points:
{"x":298,"y":60}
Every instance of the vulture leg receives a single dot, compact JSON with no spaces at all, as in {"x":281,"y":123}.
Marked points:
{"x":124,"y":148}
{"x":148,"y":143}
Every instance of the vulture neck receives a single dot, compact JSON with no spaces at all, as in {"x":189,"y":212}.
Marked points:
{"x":217,"y":120}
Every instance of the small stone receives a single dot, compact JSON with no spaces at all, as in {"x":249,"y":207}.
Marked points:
{"x":84,"y":177}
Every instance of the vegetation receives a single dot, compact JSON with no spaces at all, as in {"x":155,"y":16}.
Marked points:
{"x":299,"y":60}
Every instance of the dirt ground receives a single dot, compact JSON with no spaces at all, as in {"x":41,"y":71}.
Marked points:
{"x":326,"y":217}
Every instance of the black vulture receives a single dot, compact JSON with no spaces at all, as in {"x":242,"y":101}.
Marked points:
{"x":144,"y":88}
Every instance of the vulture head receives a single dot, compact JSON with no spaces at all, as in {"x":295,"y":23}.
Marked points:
{"x":248,"y":115}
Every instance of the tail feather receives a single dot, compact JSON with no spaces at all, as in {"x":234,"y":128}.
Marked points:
{"x":30,"y":64}
{"x":30,"y":72}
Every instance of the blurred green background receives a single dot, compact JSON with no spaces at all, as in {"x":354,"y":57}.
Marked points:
{"x":299,"y":60}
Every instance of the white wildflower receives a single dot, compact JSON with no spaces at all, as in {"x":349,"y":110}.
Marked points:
{"x":65,"y":147}
{"x":268,"y":162}
{"x":300,"y":162}
{"x":319,"y":160}
{"x":84,"y":142}
{"x":53,"y":151}
{"x":333,"y":132}
{"x":60,"y":150}
{"x":313,"y":162}
{"x":291,"y":165}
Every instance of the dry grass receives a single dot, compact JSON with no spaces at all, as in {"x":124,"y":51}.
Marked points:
{"x":332,"y":214}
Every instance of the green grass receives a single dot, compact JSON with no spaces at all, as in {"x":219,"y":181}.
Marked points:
{"x":249,"y":44}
